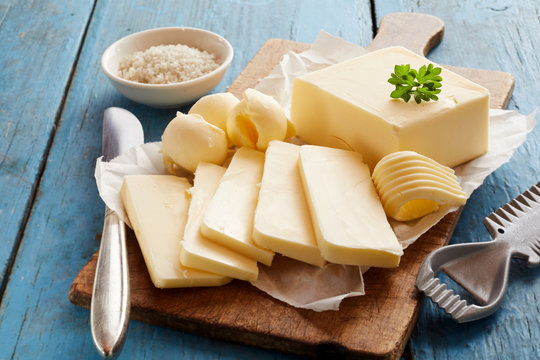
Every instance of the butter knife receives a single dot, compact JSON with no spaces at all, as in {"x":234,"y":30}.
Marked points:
{"x":109,"y":308}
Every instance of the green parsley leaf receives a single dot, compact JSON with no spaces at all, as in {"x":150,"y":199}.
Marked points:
{"x":422,"y":85}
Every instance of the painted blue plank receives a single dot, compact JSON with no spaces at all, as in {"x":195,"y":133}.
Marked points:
{"x":496,"y":35}
{"x":36,"y":58}
{"x":36,"y":318}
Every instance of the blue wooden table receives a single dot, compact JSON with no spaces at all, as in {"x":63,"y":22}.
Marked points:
{"x":52,"y":98}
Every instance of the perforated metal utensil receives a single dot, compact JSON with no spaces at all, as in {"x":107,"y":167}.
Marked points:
{"x":482,"y":268}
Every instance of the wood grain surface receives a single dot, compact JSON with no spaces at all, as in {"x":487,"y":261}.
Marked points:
{"x":26,"y":129}
{"x":53,"y":97}
{"x":375,"y":325}
{"x":513,"y":331}
{"x":37,"y":321}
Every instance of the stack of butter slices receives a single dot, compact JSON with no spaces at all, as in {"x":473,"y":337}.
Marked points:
{"x":254,"y":194}
{"x":412,"y":185}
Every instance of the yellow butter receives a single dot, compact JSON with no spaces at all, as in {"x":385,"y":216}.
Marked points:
{"x":215,"y":108}
{"x":348,"y":105}
{"x":201,"y":253}
{"x":189,"y":139}
{"x":228,"y":219}
{"x":411,"y":185}
{"x":349,"y":220}
{"x":407,"y":159}
{"x":394,"y":175}
{"x":157,"y":208}
{"x":416,"y":181}
{"x":282,"y":221}
{"x":257,"y":120}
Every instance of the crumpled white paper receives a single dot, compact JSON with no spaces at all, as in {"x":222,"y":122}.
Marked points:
{"x":296,"y":283}
{"x":507,"y":129}
{"x":144,"y":159}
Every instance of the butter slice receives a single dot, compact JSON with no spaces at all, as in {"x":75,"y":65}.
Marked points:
{"x":201,"y":253}
{"x":228,"y":219}
{"x":157,"y":209}
{"x":349,"y":220}
{"x":348,"y":105}
{"x":411,"y":185}
{"x":282,"y":220}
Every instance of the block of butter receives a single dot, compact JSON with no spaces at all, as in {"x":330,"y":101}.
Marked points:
{"x":349,"y":220}
{"x":157,"y":209}
{"x":204,"y":254}
{"x":348,"y":105}
{"x":228,"y":219}
{"x":282,"y":220}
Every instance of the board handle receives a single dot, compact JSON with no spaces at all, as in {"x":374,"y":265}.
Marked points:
{"x":417,"y":32}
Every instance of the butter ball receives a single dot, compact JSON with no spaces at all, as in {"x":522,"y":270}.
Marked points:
{"x":215,"y":108}
{"x":256,"y":120}
{"x":189,"y":139}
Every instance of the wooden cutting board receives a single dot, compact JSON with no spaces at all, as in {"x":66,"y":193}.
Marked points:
{"x":376,"y":325}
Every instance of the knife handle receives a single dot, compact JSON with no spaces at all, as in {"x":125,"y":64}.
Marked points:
{"x":110,"y":306}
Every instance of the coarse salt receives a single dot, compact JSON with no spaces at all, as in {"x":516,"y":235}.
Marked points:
{"x":166,"y":64}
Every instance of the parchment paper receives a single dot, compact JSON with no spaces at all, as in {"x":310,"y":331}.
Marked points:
{"x":296,"y":283}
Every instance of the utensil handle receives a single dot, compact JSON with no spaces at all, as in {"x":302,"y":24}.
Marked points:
{"x":109,"y":309}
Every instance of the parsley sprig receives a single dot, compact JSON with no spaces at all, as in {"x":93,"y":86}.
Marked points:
{"x":422,"y":84}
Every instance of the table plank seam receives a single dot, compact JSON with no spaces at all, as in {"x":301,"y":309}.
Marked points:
{"x":374,"y":24}
{"x":43,"y":164}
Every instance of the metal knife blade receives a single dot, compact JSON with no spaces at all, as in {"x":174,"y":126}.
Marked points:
{"x":110,"y":307}
{"x":121,"y":131}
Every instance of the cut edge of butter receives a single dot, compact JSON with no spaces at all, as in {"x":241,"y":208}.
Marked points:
{"x":169,"y":272}
{"x":228,"y":219}
{"x":257,"y":253}
{"x":282,"y":222}
{"x":289,"y":248}
{"x":202,"y":253}
{"x":317,"y":169}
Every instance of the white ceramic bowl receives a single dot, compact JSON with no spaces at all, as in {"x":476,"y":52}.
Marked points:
{"x":167,"y":95}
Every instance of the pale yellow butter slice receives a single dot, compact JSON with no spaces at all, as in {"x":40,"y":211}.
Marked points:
{"x":411,"y":185}
{"x":349,"y":104}
{"x":228,"y":219}
{"x":406,"y":159}
{"x":349,"y":220}
{"x":282,"y":221}
{"x":414,"y":202}
{"x":157,"y":208}
{"x":395,"y":175}
{"x":204,"y":254}
{"x":415,"y":181}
